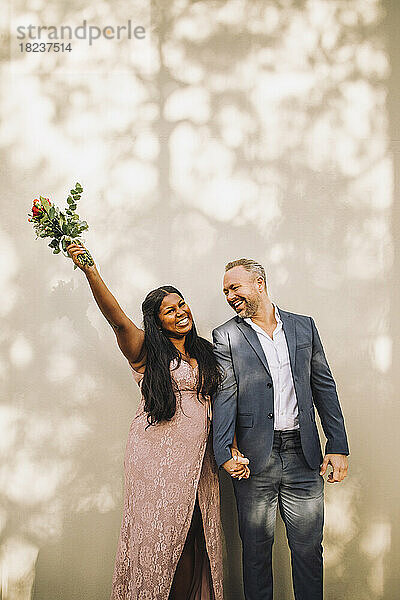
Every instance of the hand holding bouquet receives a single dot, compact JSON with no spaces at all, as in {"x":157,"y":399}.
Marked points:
{"x":64,"y":228}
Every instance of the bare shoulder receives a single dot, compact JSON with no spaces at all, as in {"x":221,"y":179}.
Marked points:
{"x":131,"y":342}
{"x":139,"y":365}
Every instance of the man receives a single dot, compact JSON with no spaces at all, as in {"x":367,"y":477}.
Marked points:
{"x":275,"y":373}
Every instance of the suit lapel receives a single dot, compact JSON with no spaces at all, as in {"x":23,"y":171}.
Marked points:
{"x":289,"y":327}
{"x":253,"y":340}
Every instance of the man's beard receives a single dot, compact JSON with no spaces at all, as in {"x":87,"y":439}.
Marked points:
{"x":251,"y":306}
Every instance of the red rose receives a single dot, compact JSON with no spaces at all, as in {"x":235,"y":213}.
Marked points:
{"x":37,"y":208}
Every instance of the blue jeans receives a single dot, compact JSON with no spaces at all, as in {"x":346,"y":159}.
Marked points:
{"x":289,"y":482}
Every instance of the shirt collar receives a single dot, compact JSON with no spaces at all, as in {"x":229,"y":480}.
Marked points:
{"x":258,"y":329}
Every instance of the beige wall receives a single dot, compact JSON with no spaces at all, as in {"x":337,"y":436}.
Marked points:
{"x":245,"y":128}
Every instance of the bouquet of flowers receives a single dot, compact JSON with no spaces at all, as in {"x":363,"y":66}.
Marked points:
{"x":63,"y":227}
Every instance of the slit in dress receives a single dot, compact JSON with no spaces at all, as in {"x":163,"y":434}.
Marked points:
{"x":200,"y":586}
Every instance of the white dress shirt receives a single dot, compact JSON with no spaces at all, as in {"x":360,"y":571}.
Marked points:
{"x":276,"y":352}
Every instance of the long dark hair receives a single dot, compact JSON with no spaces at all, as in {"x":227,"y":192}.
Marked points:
{"x":158,"y":388}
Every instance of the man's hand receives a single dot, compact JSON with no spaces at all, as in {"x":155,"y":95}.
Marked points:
{"x":339,"y":464}
{"x":237,"y":465}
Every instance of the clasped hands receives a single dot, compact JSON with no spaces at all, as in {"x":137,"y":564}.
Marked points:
{"x":237,"y":465}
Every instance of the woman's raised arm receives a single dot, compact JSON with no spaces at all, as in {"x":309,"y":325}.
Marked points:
{"x":129,"y":337}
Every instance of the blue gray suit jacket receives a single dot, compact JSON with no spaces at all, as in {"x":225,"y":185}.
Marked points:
{"x":245,"y":400}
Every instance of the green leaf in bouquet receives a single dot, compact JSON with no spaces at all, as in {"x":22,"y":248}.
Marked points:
{"x":61,"y":227}
{"x":45,"y":203}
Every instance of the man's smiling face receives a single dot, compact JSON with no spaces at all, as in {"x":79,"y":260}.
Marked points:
{"x":242,"y":291}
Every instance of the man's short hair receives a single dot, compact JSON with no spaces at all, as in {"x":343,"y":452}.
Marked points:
{"x":250,"y":265}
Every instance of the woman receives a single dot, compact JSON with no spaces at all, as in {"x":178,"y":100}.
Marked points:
{"x":170,"y":544}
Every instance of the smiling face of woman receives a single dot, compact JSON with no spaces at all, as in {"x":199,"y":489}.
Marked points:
{"x":175,"y":316}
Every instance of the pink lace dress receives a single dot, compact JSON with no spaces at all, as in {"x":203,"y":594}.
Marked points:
{"x":166,"y":467}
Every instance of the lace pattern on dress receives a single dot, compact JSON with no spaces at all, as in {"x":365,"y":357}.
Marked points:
{"x":166,"y":465}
